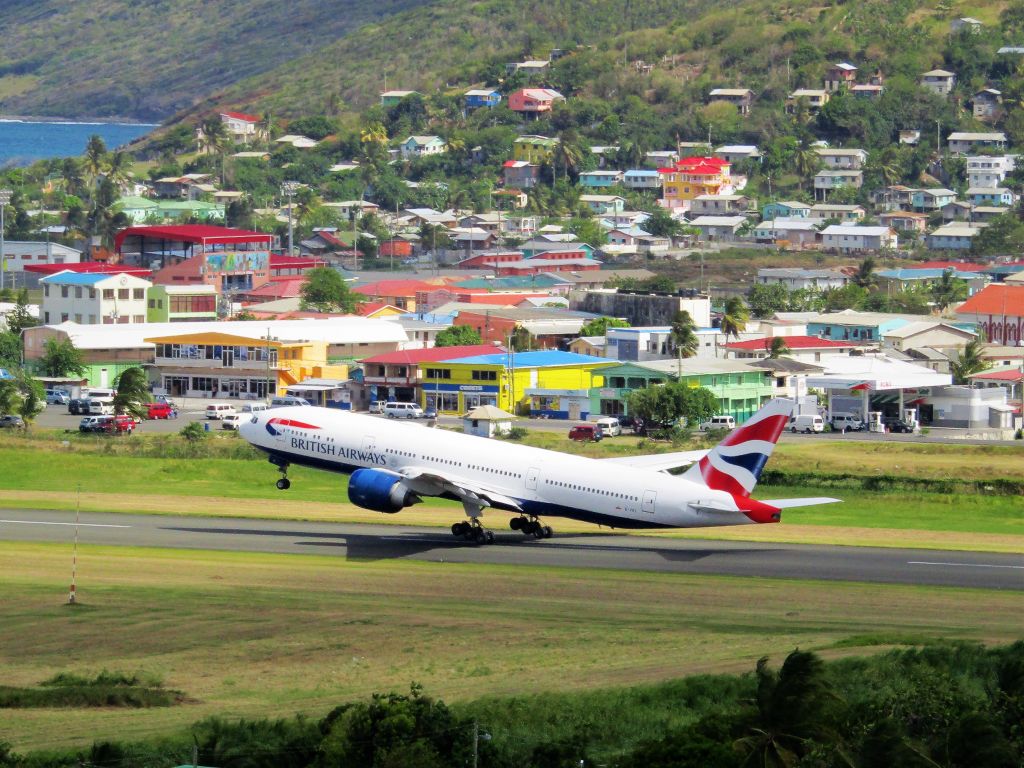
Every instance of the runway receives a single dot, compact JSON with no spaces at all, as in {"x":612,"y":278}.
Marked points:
{"x":596,"y":550}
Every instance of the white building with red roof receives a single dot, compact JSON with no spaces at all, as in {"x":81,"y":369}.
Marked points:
{"x":997,"y":311}
{"x":399,"y":375}
{"x":242,"y":128}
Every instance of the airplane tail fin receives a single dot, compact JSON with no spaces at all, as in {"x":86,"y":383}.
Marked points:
{"x":736,"y":463}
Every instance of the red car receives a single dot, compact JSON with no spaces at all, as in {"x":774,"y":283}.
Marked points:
{"x":119,"y":425}
{"x":159,"y":411}
{"x":586,"y":432}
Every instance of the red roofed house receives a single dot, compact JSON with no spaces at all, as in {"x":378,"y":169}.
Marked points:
{"x":806,"y":349}
{"x":281,"y":288}
{"x":293,"y":266}
{"x":242,"y":128}
{"x":998,"y":313}
{"x":231,"y":260}
{"x":692,"y":177}
{"x":958,"y":266}
{"x":397,"y":375}
{"x":398,"y":293}
{"x":489,"y":260}
{"x":377,"y":309}
{"x":533,"y":101}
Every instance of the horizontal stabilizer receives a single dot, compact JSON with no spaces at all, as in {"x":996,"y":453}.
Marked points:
{"x":659,"y":462}
{"x":790,"y":503}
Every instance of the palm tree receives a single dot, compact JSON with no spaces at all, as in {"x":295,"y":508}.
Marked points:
{"x":683,"y":335}
{"x":806,"y":160}
{"x":865,"y":275}
{"x":969,"y":362}
{"x":132,"y":392}
{"x":119,"y":170}
{"x":734,"y":319}
{"x":776,"y":347}
{"x":216,"y":139}
{"x":95,"y":158}
{"x":948,"y":289}
{"x":567,"y":154}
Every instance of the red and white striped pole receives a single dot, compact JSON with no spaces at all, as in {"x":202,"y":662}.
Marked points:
{"x":74,"y":551}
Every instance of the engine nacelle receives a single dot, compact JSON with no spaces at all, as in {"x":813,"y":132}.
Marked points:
{"x":380,"y":490}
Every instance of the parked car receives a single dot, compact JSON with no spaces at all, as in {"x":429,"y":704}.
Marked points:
{"x":166,"y":399}
{"x":159,"y":411}
{"x":586,"y":433}
{"x":253,"y":407}
{"x":287,"y":401}
{"x":78,"y":405}
{"x":57,"y":397}
{"x":896,"y":424}
{"x":718,"y":422}
{"x":377,"y":406}
{"x":610,"y":426}
{"x":219,"y":410}
{"x":430,"y":413}
{"x":92,"y":423}
{"x":843,"y":421}
{"x":233,"y":420}
{"x":119,"y":425}
{"x":11,"y":422}
{"x":806,"y":422}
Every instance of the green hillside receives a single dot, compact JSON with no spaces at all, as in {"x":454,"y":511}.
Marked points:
{"x":147,"y":59}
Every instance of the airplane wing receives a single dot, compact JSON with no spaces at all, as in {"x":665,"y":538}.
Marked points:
{"x":659,"y":462}
{"x":434,"y":483}
{"x":808,"y":502}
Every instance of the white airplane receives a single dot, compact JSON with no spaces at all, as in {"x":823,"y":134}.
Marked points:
{"x":393,"y":465}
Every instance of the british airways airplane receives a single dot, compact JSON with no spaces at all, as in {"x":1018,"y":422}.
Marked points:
{"x":393,"y":465}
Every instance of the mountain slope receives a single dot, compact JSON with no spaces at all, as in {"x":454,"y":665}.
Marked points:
{"x":147,"y":59}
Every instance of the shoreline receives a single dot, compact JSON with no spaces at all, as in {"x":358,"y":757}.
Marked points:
{"x":30,"y":119}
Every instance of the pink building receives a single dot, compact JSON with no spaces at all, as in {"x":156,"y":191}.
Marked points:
{"x":533,"y":100}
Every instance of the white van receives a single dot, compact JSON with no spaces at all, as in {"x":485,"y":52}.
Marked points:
{"x":806,"y":422}
{"x":610,"y":426}
{"x":101,"y":406}
{"x":232,"y":420}
{"x":254,"y":407}
{"x":377,"y":406}
{"x":219,"y":410}
{"x":846,"y":422}
{"x":718,"y":422}
{"x":403,"y":411}
{"x":286,"y":401}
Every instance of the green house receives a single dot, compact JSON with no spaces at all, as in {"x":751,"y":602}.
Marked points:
{"x":740,"y":388}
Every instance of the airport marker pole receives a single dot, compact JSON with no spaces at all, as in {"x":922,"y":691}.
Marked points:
{"x":74,"y":550}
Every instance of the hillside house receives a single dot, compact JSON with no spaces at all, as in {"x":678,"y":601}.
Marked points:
{"x":735,"y":153}
{"x":958,"y":210}
{"x":720,"y":205}
{"x":998,"y":313}
{"x":938,"y":81}
{"x":905,"y":221}
{"x":692,"y":177}
{"x":661,"y":158}
{"x":965,"y":23}
{"x":931,"y":200}
{"x":965,"y":142}
{"x":839,"y":159}
{"x":242,"y":128}
{"x":482,"y":97}
{"x":786,"y":209}
{"x":520,"y":174}
{"x":530,"y":68}
{"x":826,"y":181}
{"x":867,"y":90}
{"x":533,"y":149}
{"x":717,"y":228}
{"x":989,"y":170}
{"x":796,"y":279}
{"x":422,"y":146}
{"x":814,"y":98}
{"x":846,"y":238}
{"x":533,"y":101}
{"x":602,"y":204}
{"x":794,"y":233}
{"x":955,"y":236}
{"x":741,"y":98}
{"x":825,"y":211}
{"x":839,"y":76}
{"x":600,"y":179}
{"x":641,"y":179}
{"x":990,"y":196}
{"x":390,"y":99}
{"x":986,"y":105}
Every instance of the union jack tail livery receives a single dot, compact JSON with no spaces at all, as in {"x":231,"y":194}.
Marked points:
{"x":735,"y":464}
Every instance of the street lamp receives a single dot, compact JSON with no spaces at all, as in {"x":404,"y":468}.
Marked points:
{"x":289,"y":188}
{"x":5,"y":198}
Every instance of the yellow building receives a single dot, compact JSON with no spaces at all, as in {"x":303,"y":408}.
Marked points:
{"x":533,"y":149}
{"x":225,"y":365}
{"x":692,"y":177}
{"x":545,"y":383}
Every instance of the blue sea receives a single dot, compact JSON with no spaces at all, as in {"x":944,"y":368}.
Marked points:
{"x":24,"y":142}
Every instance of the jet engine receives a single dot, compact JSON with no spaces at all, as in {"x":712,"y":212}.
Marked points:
{"x":380,"y":490}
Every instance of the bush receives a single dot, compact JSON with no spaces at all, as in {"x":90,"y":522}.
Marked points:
{"x":516,"y":433}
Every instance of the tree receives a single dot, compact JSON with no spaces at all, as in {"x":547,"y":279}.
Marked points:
{"x":326,"y":291}
{"x":767,"y":299}
{"x":19,"y":318}
{"x":969,"y":362}
{"x":776,"y":347}
{"x":948,"y":289}
{"x":95,"y":158}
{"x":132,"y":396}
{"x":567,"y":154}
{"x":193,"y":433}
{"x":588,"y":231}
{"x":666,"y":405}
{"x":734,"y":319}
{"x":683,"y":335}
{"x":661,"y":223}
{"x":22,"y":395}
{"x":599,"y":326}
{"x":457,"y":336}
{"x":806,"y":161}
{"x":865,"y":276}
{"x":216,"y":140}
{"x":62,"y":358}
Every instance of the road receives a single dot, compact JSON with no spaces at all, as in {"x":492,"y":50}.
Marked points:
{"x":596,"y":550}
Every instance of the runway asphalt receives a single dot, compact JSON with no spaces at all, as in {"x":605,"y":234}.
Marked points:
{"x":597,"y":550}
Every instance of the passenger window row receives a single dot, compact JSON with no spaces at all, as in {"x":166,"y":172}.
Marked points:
{"x":573,"y":487}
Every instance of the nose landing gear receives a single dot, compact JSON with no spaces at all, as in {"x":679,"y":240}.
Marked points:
{"x":284,"y":483}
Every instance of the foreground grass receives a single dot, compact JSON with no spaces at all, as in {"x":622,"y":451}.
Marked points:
{"x":248,"y":635}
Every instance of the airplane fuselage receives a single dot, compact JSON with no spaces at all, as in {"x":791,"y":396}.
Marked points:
{"x":542,"y":482}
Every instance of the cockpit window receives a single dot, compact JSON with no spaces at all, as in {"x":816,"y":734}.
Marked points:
{"x":254,"y":419}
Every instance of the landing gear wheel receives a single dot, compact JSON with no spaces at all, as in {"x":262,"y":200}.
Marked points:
{"x":480,"y":536}
{"x":546,"y":531}
{"x":538,"y":532}
{"x":457,"y":529}
{"x":490,"y":536}
{"x":516,"y":523}
{"x":284,"y":484}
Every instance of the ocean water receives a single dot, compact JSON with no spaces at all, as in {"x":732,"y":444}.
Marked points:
{"x":23,"y":142}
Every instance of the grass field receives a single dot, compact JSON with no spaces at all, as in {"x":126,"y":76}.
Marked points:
{"x":113,"y":477}
{"x":272,"y":635}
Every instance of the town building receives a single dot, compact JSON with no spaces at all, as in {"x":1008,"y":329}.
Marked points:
{"x":181,"y":303}
{"x":482,"y":97}
{"x":93,"y":299}
{"x":997,"y":312}
{"x":786,"y":209}
{"x":955,"y":236}
{"x":422,"y":146}
{"x":847,"y":238}
{"x":534,"y":149}
{"x":399,"y":376}
{"x":692,"y":177}
{"x":19,"y":254}
{"x":807,"y":349}
{"x":798,"y":279}
{"x":242,"y":128}
{"x":938,"y":81}
{"x":534,"y":101}
{"x":966,"y":142}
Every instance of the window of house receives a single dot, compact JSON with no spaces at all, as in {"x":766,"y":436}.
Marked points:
{"x":78,"y":292}
{"x":138,"y":318}
{"x":63,"y":317}
{"x":138,"y":294}
{"x":64,"y":291}
{"x":108,"y":294}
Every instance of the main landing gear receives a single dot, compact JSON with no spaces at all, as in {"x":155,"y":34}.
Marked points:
{"x":471,"y":530}
{"x":531,"y":526}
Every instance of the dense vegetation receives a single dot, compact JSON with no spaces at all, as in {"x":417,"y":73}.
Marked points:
{"x":146,"y":60}
{"x":107,"y":689}
{"x":953,"y":706}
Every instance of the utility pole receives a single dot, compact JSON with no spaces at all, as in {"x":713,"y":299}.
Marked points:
{"x":5,"y":198}
{"x":289,"y":188}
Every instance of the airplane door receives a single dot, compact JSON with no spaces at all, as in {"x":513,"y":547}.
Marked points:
{"x":531,"y":478}
{"x":369,"y":443}
{"x":648,"y":504}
